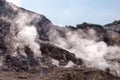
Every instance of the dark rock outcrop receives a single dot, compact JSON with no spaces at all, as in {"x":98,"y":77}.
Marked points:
{"x":59,"y":54}
{"x":99,"y":29}
{"x":114,"y":30}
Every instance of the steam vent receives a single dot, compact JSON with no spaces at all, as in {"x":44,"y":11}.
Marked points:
{"x":33,"y":48}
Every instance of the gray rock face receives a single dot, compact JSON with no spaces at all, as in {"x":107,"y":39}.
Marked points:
{"x":114,"y":30}
{"x":14,"y":21}
{"x":10,"y":16}
{"x":2,"y":2}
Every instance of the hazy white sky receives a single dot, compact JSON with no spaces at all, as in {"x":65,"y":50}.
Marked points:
{"x":17,"y":2}
{"x":72,"y":12}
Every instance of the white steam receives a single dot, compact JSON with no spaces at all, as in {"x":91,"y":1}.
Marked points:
{"x":55,"y":62}
{"x":70,"y":64}
{"x":25,"y":34}
{"x":84,"y":46}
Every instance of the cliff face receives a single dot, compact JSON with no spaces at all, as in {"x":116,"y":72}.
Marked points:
{"x":114,"y":30}
{"x":24,"y":39}
{"x":31,"y":44}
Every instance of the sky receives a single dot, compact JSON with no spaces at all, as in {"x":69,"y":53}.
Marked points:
{"x":72,"y":12}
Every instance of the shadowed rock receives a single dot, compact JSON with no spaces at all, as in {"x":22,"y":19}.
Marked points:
{"x":59,"y":54}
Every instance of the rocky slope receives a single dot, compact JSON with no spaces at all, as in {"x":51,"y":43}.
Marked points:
{"x":114,"y":30}
{"x":31,"y":44}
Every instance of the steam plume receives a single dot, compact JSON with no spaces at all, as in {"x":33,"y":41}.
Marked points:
{"x":23,"y":33}
{"x":94,"y":54}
